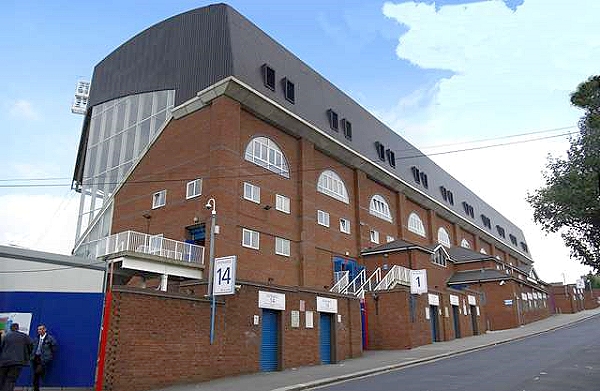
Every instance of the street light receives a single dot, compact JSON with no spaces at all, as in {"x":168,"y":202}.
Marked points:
{"x":211,"y":205}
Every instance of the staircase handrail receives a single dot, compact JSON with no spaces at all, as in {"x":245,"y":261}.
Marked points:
{"x":342,"y":283}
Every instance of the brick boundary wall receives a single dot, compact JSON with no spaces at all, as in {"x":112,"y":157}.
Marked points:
{"x":158,"y":339}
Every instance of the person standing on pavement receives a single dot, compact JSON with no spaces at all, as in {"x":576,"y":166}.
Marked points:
{"x":15,"y":351}
{"x":44,"y":348}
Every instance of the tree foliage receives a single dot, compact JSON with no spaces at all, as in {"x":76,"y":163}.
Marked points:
{"x":570,"y":200}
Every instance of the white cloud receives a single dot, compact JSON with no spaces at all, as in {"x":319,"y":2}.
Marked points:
{"x":513,"y":73}
{"x":39,"y":222}
{"x":23,"y":109}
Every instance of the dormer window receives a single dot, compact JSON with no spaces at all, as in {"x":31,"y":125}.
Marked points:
{"x":268,"y":77}
{"x":391,"y":157}
{"x":333,"y":120}
{"x":380,"y":148}
{"x":289,"y":90}
{"x":347,"y":128}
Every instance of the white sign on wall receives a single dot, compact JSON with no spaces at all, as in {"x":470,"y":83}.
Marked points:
{"x":271,"y":300}
{"x":224,"y":276}
{"x":426,"y":312}
{"x":454,"y":300}
{"x":325,"y":304}
{"x":309,"y":319}
{"x":524,"y":296}
{"x":472,"y":300}
{"x":418,"y":281}
{"x":433,"y":299}
{"x":295,"y":318}
{"x":529,"y":296}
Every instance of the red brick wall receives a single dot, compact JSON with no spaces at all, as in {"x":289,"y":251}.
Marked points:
{"x":167,"y":335}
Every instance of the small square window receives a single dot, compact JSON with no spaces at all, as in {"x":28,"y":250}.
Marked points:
{"x":282,"y":247}
{"x":345,"y":226}
{"x":323,"y":218}
{"x":374,"y":236}
{"x":159,"y":199}
{"x":251,"y":192}
{"x":193,"y":189}
{"x":250,"y":238}
{"x":347,"y":128}
{"x":269,"y":77}
{"x":282,"y":203}
{"x":333,"y":120}
{"x":289,"y":90}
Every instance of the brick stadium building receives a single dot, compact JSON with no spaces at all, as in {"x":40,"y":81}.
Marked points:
{"x":319,"y":201}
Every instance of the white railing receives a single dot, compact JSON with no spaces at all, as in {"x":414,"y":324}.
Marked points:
{"x":369,"y":284}
{"x":396,"y":275}
{"x":343,"y":279}
{"x":150,"y":244}
{"x":356,"y":283}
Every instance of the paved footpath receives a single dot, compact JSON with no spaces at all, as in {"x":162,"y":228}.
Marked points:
{"x":378,"y":361}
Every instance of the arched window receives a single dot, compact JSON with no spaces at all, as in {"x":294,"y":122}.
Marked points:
{"x":331,"y":184}
{"x":415,"y":225}
{"x":263,"y":152}
{"x":379,"y":208}
{"x":465,"y":243}
{"x":443,"y":237}
{"x":483,"y":251}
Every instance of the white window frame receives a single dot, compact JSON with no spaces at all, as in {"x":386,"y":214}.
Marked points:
{"x":282,"y":203}
{"x":331,"y":184}
{"x":282,"y":246}
{"x":415,"y":225}
{"x":159,"y":199}
{"x":483,"y":251}
{"x":374,"y":236}
{"x":379,"y":207}
{"x":345,"y":226}
{"x":464,"y":243}
{"x":264,"y":152}
{"x":193,"y":188}
{"x":323,"y":218}
{"x":253,"y":236}
{"x":251,"y":192}
{"x":389,"y":238}
{"x":439,"y":257}
{"x":443,"y":237}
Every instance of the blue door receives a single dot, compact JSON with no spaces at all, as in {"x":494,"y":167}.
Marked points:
{"x":342,"y":264}
{"x":269,"y":347}
{"x":325,"y":337}
{"x":433,"y":311}
{"x":456,"y":319}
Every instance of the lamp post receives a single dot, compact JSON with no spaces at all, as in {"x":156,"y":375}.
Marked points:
{"x":211,"y":204}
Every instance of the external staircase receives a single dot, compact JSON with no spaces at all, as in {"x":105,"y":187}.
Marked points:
{"x":396,"y":275}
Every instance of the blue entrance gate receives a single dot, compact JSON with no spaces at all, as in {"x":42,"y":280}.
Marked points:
{"x":325,"y":337}
{"x":269,"y":348}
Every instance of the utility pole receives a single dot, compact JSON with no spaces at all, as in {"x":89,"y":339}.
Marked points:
{"x":211,"y":204}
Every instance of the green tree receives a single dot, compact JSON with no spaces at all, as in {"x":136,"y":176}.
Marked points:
{"x":570,"y":200}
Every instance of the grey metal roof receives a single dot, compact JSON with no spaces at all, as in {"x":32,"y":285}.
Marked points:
{"x":396,"y":245}
{"x":461,"y":254}
{"x":193,"y":50}
{"x":57,"y":259}
{"x":476,"y":275}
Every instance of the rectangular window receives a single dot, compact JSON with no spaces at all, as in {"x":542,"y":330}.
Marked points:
{"x":323,"y":218}
{"x":251,"y":192}
{"x":333,"y":120}
{"x":193,"y":189}
{"x":374,"y":236}
{"x":282,"y":247}
{"x":345,"y":226}
{"x":347,"y":128}
{"x":269,"y":77}
{"x":250,"y":238}
{"x":380,"y":148}
{"x":389,"y":238}
{"x":159,"y":199}
{"x":416,"y":172}
{"x":289,"y":91}
{"x":424,"y":179}
{"x":391,"y":157}
{"x":282,"y":203}
{"x":450,"y":198}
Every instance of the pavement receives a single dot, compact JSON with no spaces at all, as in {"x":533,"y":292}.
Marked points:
{"x":373,"y":362}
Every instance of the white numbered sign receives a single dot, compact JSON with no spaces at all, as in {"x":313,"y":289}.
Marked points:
{"x":224,"y":276}
{"x":418,"y":281}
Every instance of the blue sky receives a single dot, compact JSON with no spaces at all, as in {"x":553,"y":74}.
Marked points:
{"x":436,"y":72}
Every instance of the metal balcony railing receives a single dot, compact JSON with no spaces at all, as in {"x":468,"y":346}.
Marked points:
{"x":137,"y":242}
{"x":396,"y":275}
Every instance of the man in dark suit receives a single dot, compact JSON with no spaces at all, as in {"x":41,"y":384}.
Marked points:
{"x":15,"y":351}
{"x":44,"y":348}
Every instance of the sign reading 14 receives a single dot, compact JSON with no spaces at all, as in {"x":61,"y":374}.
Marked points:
{"x":224,"y":275}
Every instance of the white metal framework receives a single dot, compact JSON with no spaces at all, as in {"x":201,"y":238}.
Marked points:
{"x":415,"y":225}
{"x":263,"y":152}
{"x":332,"y":185}
{"x":379,"y":207}
{"x":443,"y":237}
